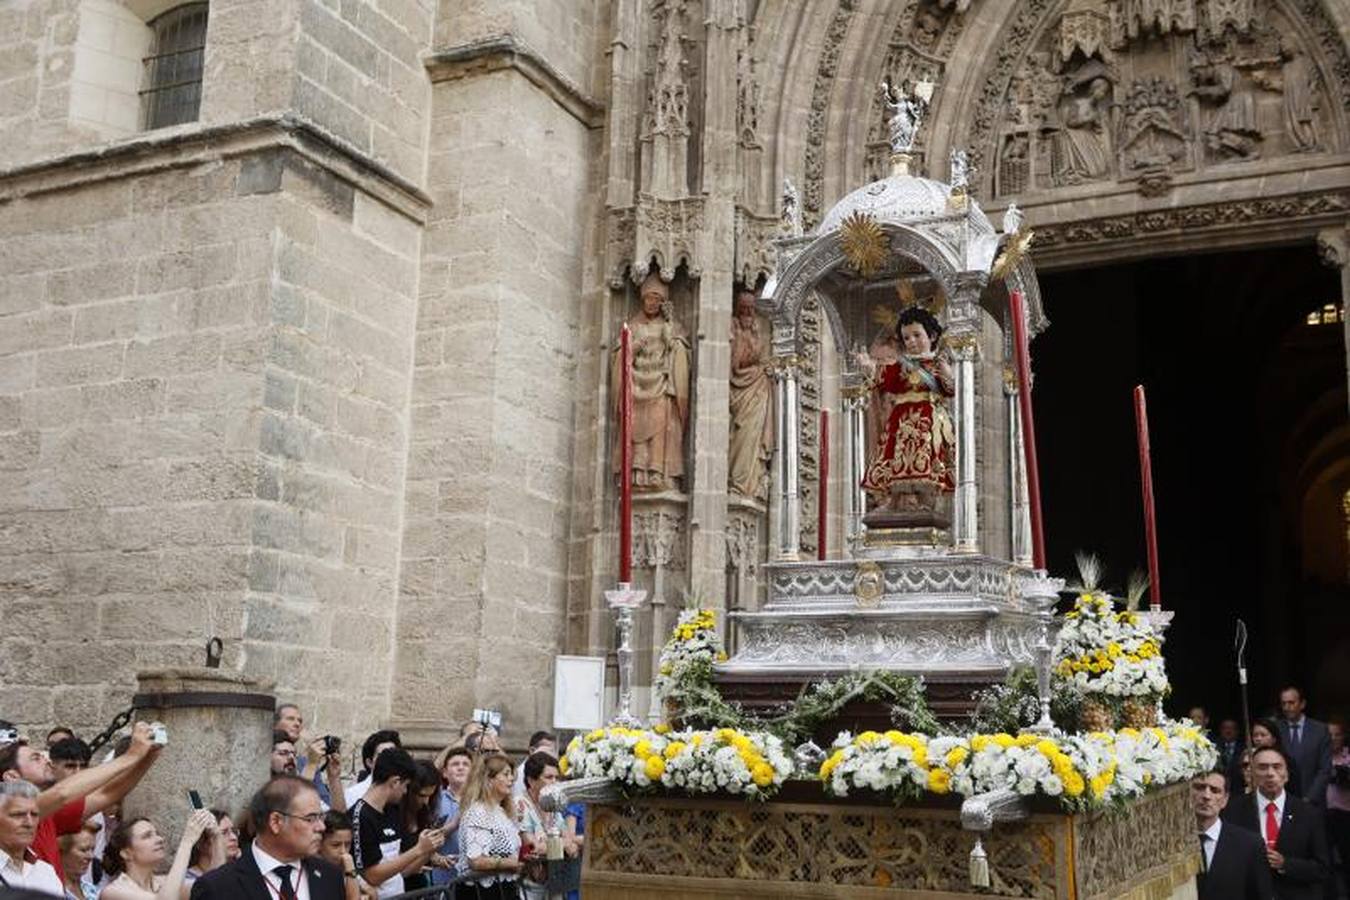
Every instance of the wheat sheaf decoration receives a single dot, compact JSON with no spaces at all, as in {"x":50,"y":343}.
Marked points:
{"x":864,"y":243}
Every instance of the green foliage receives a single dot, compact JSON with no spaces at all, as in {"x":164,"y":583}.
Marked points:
{"x":1015,"y":704}
{"x":700,"y":704}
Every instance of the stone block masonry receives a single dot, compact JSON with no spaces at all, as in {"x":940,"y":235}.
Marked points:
{"x":203,"y":386}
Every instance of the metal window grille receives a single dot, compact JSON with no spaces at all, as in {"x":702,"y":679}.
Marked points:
{"x":173,"y":71}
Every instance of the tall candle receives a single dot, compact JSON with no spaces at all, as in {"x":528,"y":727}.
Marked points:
{"x":1023,"y":359}
{"x":626,"y":456}
{"x":822,"y":524}
{"x":1146,"y":480}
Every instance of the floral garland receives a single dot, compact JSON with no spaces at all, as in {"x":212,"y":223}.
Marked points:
{"x":684,"y":683}
{"x":1082,"y":771}
{"x":1102,"y":651}
{"x":722,"y":760}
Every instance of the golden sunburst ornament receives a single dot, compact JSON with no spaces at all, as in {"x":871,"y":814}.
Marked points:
{"x":1012,"y":253}
{"x":864,"y":243}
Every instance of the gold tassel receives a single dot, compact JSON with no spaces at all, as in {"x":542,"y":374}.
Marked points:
{"x":979,"y":865}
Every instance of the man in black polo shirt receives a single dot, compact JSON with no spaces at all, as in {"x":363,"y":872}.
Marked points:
{"x":379,"y":826}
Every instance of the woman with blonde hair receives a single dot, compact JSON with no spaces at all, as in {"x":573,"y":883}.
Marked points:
{"x":488,"y":832}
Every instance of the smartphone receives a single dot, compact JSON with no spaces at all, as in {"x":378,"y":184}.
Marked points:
{"x":195,"y":799}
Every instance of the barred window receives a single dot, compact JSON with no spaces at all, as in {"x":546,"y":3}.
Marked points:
{"x":173,"y":70}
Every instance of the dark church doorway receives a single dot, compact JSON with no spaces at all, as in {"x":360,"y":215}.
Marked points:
{"x":1243,"y":356}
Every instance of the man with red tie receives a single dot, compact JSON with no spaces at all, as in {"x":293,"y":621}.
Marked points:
{"x":1295,"y":837}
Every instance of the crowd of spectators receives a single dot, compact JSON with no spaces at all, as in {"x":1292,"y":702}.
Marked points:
{"x":466,"y":824}
{"x":1273,"y":817}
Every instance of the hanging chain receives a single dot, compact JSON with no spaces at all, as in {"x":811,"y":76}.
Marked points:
{"x":120,"y":721}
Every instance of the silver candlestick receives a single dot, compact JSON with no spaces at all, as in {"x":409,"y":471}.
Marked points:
{"x":623,"y":601}
{"x":1041,"y":592}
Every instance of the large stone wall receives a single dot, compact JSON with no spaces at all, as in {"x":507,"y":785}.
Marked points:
{"x":203,"y":373}
{"x":484,"y":556}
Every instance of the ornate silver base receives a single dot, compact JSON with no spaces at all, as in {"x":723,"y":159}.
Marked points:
{"x":957,"y":616}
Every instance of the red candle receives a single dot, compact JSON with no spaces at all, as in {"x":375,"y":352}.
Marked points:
{"x":1146,"y":478}
{"x":1023,"y":355}
{"x":823,"y":512}
{"x":626,"y":456}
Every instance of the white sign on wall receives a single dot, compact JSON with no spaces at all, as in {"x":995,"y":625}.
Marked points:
{"x":578,"y":692}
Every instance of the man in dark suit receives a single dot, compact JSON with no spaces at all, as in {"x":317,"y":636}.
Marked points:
{"x":281,"y":863}
{"x":1229,"y":742}
{"x":1294,"y":833}
{"x":1233,"y":860}
{"x":1309,"y":743}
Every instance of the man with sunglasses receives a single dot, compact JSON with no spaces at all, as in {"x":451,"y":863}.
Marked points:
{"x":282,"y":863}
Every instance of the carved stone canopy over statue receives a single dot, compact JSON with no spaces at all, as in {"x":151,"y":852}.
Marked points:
{"x":660,"y":391}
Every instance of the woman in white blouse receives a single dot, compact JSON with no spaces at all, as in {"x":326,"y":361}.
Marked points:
{"x":488,"y":833}
{"x":135,"y":852}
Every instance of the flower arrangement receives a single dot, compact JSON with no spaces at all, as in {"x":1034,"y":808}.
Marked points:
{"x":690,"y":651}
{"x":721,"y":760}
{"x":1108,"y":652}
{"x":1082,"y":771}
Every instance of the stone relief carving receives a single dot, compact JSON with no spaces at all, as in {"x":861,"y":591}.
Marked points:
{"x":742,"y":537}
{"x":1153,"y":133}
{"x":1079,"y":136}
{"x":658,"y":540}
{"x":1251,"y":86}
{"x":747,"y":91}
{"x":1329,"y":204}
{"x":755,"y":250}
{"x":664,"y":131}
{"x":620,"y":246}
{"x":826,"y":69}
{"x":1133,"y":19}
{"x":671,"y":231}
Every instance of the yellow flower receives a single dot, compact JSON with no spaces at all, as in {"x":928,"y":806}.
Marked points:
{"x":1073,"y":784}
{"x":562,"y":765}
{"x":939,"y":781}
{"x":1027,"y":740}
{"x":662,"y":728}
{"x":867,"y":739}
{"x":721,"y":656}
{"x":666,"y":668}
{"x":725,"y":735}
{"x":741,"y":742}
{"x":895,"y":737}
{"x":642,"y":749}
{"x":696,"y":740}
{"x":1098,"y":783}
{"x":829,"y":765}
{"x":1048,"y":749}
{"x":1004,"y":740}
{"x":656,"y":767}
{"x":921,"y":755}
{"x":673,"y":749}
{"x":595,"y":735}
{"x":762,"y":774}
{"x":956,"y":756}
{"x":978,"y":742}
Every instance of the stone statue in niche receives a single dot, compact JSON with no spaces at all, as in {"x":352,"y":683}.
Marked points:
{"x":1232,"y":132}
{"x":912,"y":459}
{"x":660,"y":391}
{"x":1078,"y":131}
{"x":751,"y":434}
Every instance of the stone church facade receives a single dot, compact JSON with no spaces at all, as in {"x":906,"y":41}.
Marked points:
{"x":323,"y":370}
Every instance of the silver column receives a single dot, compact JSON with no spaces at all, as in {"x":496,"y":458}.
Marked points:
{"x":784,"y":369}
{"x":789,"y":432}
{"x":855,"y":439}
{"x":967,"y":521}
